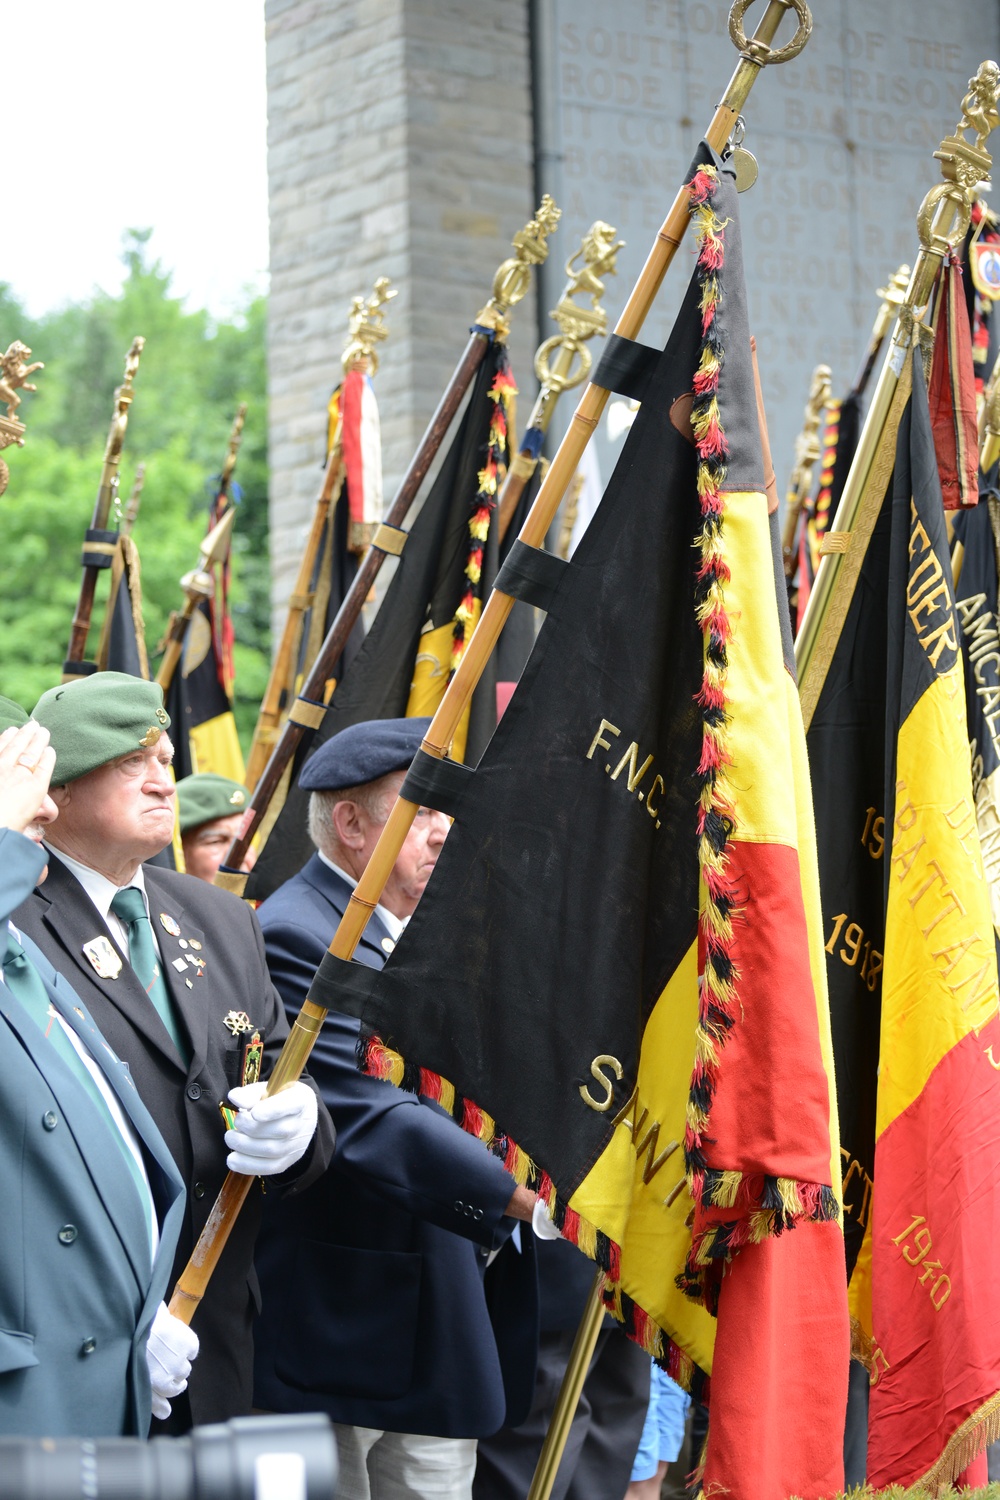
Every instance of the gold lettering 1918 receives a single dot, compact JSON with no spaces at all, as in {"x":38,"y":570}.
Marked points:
{"x":856,"y":946}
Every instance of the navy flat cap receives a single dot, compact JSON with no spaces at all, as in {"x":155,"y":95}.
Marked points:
{"x":362,"y":753}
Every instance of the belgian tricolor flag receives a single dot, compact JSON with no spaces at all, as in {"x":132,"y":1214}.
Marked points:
{"x":913,"y":985}
{"x":616,"y":978}
{"x":430,"y":609}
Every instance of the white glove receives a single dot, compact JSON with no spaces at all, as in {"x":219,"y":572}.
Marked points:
{"x":541,"y":1223}
{"x":270,"y":1134}
{"x":169,"y":1352}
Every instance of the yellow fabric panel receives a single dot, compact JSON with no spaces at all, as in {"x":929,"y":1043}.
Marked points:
{"x":859,"y":1292}
{"x":755,"y":684}
{"x":215,"y":746}
{"x":654,"y":1238}
{"x":430,"y":678}
{"x":940,"y":977}
{"x":809,"y":877}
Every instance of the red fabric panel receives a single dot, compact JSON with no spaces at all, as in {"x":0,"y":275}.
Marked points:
{"x":771,"y":1112}
{"x":779,"y":1373}
{"x":505,"y":692}
{"x":951,"y":395}
{"x":976,"y":1476}
{"x":350,"y":441}
{"x":937,"y":1160}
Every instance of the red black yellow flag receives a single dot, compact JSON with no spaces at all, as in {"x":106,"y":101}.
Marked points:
{"x":615,"y":978}
{"x":431,"y":606}
{"x":913,"y":986}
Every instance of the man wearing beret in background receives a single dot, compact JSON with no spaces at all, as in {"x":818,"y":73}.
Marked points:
{"x":210,"y":811}
{"x":379,"y":1308}
{"x":92,"y":1201}
{"x":173,"y":972}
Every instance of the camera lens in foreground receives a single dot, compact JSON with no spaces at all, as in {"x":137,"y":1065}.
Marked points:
{"x":248,"y":1458}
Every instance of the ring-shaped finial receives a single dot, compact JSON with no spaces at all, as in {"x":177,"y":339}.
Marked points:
{"x":759,"y":52}
{"x":928,"y":211}
{"x":547,"y":376}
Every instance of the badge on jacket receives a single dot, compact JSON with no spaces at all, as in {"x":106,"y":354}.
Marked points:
{"x":104,"y":960}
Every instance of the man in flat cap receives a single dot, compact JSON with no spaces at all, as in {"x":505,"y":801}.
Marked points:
{"x":210,"y":812}
{"x":92,"y":1201}
{"x":173,"y":972}
{"x":378,"y":1305}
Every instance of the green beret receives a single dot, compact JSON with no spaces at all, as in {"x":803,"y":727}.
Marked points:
{"x":12,"y":715}
{"x":205,"y":796}
{"x":95,"y":719}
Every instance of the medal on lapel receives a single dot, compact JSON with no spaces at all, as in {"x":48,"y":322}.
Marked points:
{"x":103,"y":959}
{"x":253,"y":1057}
{"x":237,"y":1022}
{"x":168,"y":924}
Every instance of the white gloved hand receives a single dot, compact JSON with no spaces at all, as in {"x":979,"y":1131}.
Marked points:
{"x":169,"y":1352}
{"x":542,"y":1224}
{"x":270,"y":1134}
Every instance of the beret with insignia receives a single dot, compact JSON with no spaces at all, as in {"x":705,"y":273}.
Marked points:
{"x":12,"y":715}
{"x":205,"y":796}
{"x":95,"y":719}
{"x":362,"y":753}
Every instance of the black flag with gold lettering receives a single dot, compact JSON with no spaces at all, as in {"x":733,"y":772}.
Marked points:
{"x":615,"y":976}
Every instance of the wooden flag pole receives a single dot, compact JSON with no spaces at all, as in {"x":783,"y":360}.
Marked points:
{"x":755,"y":53}
{"x":942,"y":221}
{"x":365,"y":330}
{"x":510,"y":283}
{"x":97,"y":548}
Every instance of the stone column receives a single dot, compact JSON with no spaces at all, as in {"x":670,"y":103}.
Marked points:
{"x":399,"y":144}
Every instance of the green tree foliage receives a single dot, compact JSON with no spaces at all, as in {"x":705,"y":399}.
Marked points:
{"x":193,"y":374}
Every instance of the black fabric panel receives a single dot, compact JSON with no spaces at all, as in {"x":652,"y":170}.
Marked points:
{"x":978,"y":614}
{"x":78,"y":668}
{"x":531,"y":575}
{"x":560,"y":904}
{"x":441,"y":784}
{"x":425,"y":589}
{"x":738,"y":391}
{"x":781,"y":595}
{"x":123,"y":645}
{"x":847,"y":751}
{"x":848,"y":432}
{"x":626,"y":367}
{"x":518,"y":635}
{"x":336,"y":979}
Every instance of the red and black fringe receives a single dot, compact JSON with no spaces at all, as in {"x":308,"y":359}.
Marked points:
{"x":502,"y":392}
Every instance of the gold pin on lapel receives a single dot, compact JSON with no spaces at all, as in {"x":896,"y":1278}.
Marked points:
{"x":103,"y":959}
{"x":237,"y":1021}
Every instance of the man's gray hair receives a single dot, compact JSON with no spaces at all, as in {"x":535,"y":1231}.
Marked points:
{"x":374,"y":797}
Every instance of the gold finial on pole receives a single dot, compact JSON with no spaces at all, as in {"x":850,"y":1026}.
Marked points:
{"x":14,"y":372}
{"x":199,"y":584}
{"x":132,"y":508}
{"x":807,"y":452}
{"x":366,"y":327}
{"x":554,"y":358}
{"x":513,"y":276}
{"x":98,"y":550}
{"x":942,"y":220}
{"x":235,"y":438}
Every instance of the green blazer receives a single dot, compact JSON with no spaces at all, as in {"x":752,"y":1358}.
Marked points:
{"x":77,"y":1290}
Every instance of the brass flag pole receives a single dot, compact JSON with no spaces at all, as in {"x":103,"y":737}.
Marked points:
{"x":308,"y":711}
{"x":755,"y":53}
{"x":893,"y":295}
{"x":554,"y":359}
{"x":366,"y":330}
{"x":134,"y":501}
{"x":99,"y":542}
{"x":942,"y":220}
{"x":807,"y":453}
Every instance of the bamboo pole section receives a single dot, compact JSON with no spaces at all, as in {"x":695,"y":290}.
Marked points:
{"x":942,"y":221}
{"x":510,"y":283}
{"x":755,"y":53}
{"x":366,"y":329}
{"x":97,"y":550}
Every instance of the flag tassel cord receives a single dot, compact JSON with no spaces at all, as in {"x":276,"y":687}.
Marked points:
{"x":199,"y":584}
{"x":755,"y":54}
{"x":510,"y":284}
{"x":99,"y":543}
{"x":942,"y":221}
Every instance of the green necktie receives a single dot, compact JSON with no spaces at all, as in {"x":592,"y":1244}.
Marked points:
{"x":25,"y":984}
{"x":129,"y":907}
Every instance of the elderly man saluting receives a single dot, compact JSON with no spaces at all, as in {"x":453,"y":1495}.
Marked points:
{"x":173,"y":973}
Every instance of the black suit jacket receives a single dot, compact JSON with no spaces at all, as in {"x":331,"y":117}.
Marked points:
{"x":378,"y":1305}
{"x":184,"y":1101}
